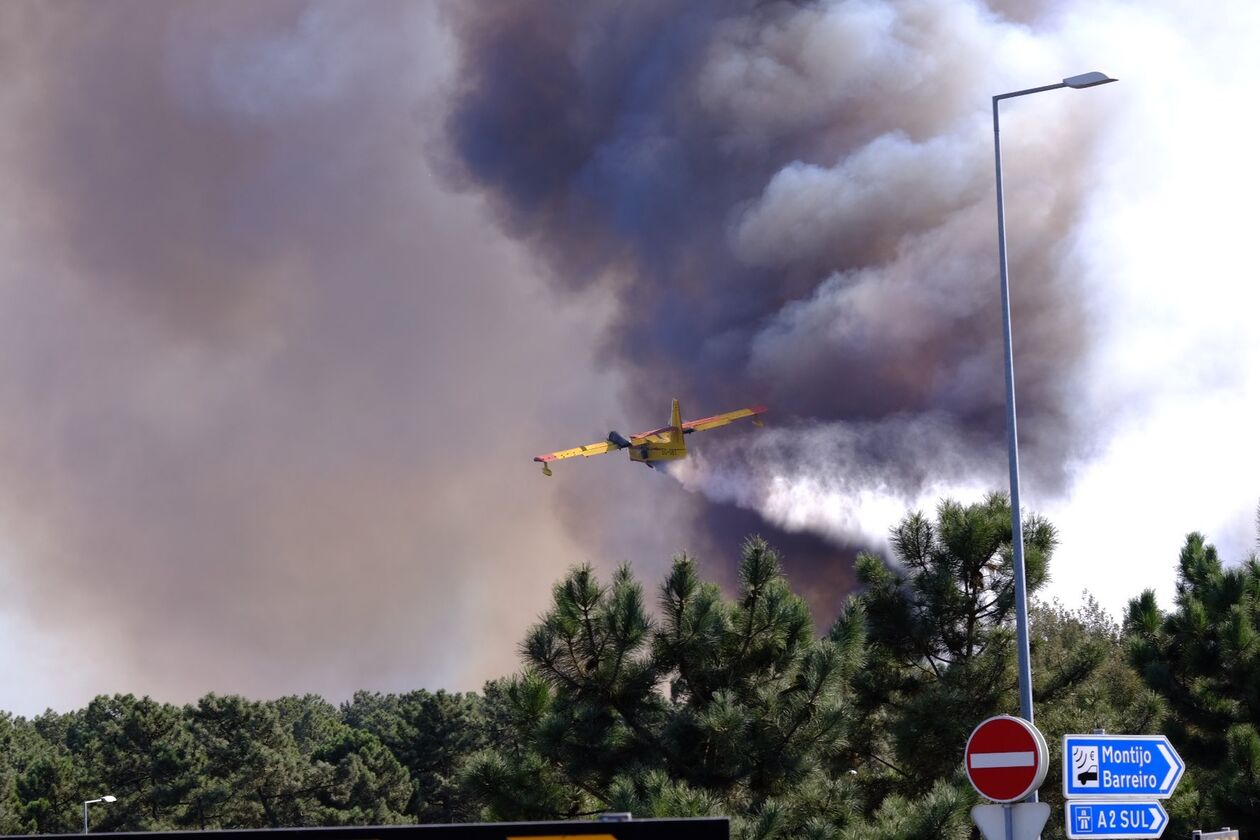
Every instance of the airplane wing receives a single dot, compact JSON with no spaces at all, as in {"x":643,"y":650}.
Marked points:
{"x":586,"y":451}
{"x":662,"y":434}
{"x":716,"y":420}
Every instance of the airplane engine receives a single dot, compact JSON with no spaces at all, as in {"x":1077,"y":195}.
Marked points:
{"x":614,"y":437}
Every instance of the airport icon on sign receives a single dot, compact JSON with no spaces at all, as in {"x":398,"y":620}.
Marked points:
{"x":1120,"y":767}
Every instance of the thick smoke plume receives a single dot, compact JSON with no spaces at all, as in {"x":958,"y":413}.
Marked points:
{"x":794,"y":202}
{"x":269,"y":387}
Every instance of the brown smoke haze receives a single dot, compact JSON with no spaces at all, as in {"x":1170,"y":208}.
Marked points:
{"x":268,"y":392}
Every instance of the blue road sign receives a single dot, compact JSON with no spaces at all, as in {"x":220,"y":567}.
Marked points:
{"x":1120,"y":766}
{"x":1121,"y":819}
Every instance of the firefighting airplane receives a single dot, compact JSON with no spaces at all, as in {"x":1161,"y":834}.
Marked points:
{"x":663,"y":444}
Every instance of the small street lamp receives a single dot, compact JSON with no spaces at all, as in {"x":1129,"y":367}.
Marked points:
{"x":106,"y":799}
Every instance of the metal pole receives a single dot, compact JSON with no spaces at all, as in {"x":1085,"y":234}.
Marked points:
{"x":1012,"y":436}
{"x":1012,"y":444}
{"x":85,"y":826}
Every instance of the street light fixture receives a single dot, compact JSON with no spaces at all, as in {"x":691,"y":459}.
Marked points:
{"x":1088,"y":80}
{"x":1084,"y":80}
{"x":106,"y":799}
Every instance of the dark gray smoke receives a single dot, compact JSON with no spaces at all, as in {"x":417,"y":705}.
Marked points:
{"x":794,"y":203}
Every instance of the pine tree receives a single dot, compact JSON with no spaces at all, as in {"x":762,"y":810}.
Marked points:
{"x":941,"y":624}
{"x":10,"y":738}
{"x":1203,"y":658}
{"x":1082,"y":681}
{"x":720,"y":707}
{"x":140,"y":751}
{"x":431,"y":734}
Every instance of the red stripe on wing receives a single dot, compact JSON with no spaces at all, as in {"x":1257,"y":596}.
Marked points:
{"x":662,"y":430}
{"x":756,"y":409}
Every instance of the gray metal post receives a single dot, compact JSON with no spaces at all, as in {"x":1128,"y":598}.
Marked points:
{"x":1012,"y":437}
{"x":106,"y":798}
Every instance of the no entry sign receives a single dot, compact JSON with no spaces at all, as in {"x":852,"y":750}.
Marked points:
{"x":1005,"y":758}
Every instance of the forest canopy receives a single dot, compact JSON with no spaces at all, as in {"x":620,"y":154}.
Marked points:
{"x":678,"y":699}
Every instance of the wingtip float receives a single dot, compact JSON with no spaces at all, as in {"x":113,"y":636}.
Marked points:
{"x":668,"y":443}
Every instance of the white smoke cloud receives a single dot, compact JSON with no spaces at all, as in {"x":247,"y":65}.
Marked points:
{"x":1162,"y":408}
{"x":1166,"y":245}
{"x":833,"y":478}
{"x":892,"y":188}
{"x":909,"y":65}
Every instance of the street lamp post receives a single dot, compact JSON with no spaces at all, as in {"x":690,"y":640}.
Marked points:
{"x":1017,"y":531}
{"x":106,"y":798}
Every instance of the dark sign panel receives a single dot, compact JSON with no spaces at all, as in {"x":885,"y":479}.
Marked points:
{"x":706,"y":828}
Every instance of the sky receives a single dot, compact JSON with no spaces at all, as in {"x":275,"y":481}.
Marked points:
{"x":292,"y":292}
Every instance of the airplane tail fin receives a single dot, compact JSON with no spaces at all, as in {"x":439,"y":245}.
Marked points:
{"x":675,"y":422}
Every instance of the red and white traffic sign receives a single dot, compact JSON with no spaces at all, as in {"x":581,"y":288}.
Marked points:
{"x":1006,"y":758}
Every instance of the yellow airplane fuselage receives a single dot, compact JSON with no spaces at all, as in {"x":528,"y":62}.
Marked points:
{"x":649,"y":451}
{"x":672,"y":448}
